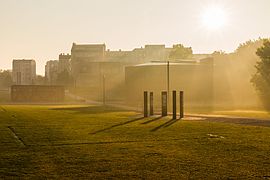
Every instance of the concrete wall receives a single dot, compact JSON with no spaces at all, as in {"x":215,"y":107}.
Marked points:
{"x":37,"y":93}
{"x":196,"y":80}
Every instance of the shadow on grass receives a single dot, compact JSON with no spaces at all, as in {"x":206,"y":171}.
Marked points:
{"x":166,"y":124}
{"x":92,"y":109}
{"x":117,"y":125}
{"x":152,"y":120}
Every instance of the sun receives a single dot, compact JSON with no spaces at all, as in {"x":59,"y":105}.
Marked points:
{"x":214,"y":17}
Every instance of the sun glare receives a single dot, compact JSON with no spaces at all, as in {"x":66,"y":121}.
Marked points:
{"x":214,"y":17}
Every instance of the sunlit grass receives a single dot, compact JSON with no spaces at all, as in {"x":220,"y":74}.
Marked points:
{"x":97,"y":142}
{"x":245,"y":113}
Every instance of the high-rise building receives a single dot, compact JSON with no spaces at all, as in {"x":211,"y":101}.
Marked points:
{"x":24,"y":71}
{"x":51,"y":71}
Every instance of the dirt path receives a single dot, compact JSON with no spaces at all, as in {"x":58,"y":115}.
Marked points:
{"x":229,"y":119}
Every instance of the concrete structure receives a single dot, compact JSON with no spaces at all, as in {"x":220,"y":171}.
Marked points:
{"x":51,"y":71}
{"x":24,"y":71}
{"x":64,"y":63}
{"x":37,"y":93}
{"x":83,"y":54}
{"x":54,"y":67}
{"x":195,"y":78}
{"x":89,"y":62}
{"x":155,"y":52}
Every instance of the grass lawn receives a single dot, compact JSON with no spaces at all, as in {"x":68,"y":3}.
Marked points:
{"x":95,"y":142}
{"x":4,"y":96}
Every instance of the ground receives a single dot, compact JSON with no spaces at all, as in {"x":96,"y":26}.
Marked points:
{"x":94,"y":142}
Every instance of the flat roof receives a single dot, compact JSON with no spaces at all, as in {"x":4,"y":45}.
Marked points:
{"x":164,"y":64}
{"x":23,"y":60}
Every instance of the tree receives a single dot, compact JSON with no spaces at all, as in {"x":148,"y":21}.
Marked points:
{"x":5,"y":78}
{"x":180,"y":52}
{"x":261,"y":79}
{"x":218,"y":53}
{"x":250,"y":46}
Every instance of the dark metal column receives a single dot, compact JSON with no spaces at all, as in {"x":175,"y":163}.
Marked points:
{"x":145,"y":105}
{"x":164,"y":103}
{"x":181,"y":104}
{"x":151,"y":103}
{"x":174,"y":104}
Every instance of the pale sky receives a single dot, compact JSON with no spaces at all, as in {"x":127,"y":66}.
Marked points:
{"x":42,"y":29}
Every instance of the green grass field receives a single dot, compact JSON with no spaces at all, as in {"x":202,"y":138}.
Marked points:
{"x":95,"y":143}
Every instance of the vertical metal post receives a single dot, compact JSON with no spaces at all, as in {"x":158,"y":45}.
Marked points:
{"x":181,"y":104}
{"x":104,"y":91}
{"x":174,"y":104}
{"x":168,"y":82}
{"x":151,"y":103}
{"x":164,"y":103}
{"x":145,"y":105}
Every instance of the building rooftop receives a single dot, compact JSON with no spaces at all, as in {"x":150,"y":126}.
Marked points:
{"x":182,"y":62}
{"x":23,"y":60}
{"x":165,"y":63}
{"x":87,"y":46}
{"x":155,"y":45}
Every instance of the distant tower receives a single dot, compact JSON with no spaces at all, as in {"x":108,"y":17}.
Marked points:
{"x":64,"y":63}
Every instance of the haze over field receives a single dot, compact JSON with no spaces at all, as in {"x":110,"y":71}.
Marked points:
{"x":135,"y":89}
{"x":43,"y":29}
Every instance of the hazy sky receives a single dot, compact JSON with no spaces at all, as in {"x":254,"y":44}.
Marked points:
{"x":42,"y":29}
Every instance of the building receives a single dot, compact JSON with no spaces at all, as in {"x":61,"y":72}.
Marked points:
{"x":64,"y":63}
{"x":155,"y":52}
{"x":54,"y":67}
{"x":90,"y":62}
{"x":23,"y":71}
{"x":83,"y":56}
{"x":194,"y":77}
{"x":37,"y":93}
{"x":51,"y":71}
